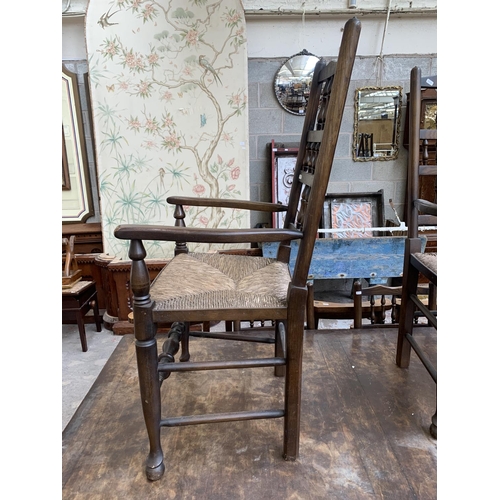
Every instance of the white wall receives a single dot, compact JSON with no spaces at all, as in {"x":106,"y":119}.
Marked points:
{"x":322,"y":5}
{"x":73,"y":39}
{"x":284,"y":35}
{"x":79,"y":6}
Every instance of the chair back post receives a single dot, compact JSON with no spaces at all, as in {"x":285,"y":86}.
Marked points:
{"x":336,"y":103}
{"x":413,"y":151}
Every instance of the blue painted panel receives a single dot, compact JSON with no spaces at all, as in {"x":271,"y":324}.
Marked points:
{"x":380,"y":257}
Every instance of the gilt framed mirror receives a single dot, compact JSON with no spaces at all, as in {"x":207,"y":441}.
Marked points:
{"x":292,"y":82}
{"x":377,"y":123}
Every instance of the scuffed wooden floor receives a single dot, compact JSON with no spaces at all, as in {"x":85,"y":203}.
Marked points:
{"x":364,"y":428}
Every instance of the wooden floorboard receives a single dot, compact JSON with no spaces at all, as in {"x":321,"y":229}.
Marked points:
{"x":364,"y":427}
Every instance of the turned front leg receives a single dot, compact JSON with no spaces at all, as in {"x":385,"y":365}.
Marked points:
{"x":179,"y":216}
{"x":147,"y":357}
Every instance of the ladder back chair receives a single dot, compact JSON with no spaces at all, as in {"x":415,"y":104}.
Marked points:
{"x":382,"y":298}
{"x":220,"y":287}
{"x":417,"y":263}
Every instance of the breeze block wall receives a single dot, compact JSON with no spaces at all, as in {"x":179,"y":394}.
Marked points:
{"x":268,"y":120}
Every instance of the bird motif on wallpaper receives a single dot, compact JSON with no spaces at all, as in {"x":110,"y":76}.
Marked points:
{"x":104,"y":19}
{"x":161,"y":171}
{"x":205,"y":64}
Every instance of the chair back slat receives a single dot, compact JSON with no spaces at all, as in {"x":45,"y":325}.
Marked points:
{"x":328,"y":71}
{"x":427,"y":170}
{"x":307,"y":178}
{"x":314,"y":136}
{"x":429,"y":134}
{"x":304,"y":154}
{"x":324,"y":113}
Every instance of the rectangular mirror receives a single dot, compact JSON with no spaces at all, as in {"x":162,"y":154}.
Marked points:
{"x":377,"y":122}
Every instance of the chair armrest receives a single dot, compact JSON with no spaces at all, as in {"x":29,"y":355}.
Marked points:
{"x":426,"y":207}
{"x":225,"y":203}
{"x":204,"y":235}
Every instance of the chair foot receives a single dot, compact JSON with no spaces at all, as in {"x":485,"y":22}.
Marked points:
{"x":155,"y":473}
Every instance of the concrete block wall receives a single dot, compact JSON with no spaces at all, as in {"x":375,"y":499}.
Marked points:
{"x":268,"y":120}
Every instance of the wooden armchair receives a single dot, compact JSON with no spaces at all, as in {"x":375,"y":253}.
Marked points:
{"x":222,"y":287}
{"x":417,"y":264}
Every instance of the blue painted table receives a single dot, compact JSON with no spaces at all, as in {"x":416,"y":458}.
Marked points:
{"x":375,"y":259}
{"x":342,"y":258}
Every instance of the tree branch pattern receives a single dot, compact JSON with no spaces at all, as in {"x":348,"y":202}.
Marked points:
{"x":168,"y":81}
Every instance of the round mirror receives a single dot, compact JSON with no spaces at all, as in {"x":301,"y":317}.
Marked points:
{"x":293,"y":82}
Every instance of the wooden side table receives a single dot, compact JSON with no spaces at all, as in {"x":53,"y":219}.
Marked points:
{"x":77,"y":302}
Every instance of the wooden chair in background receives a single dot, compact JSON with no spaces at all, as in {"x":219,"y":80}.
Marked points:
{"x":78,"y":296}
{"x":420,"y":212}
{"x":382,"y":298}
{"x":222,"y":287}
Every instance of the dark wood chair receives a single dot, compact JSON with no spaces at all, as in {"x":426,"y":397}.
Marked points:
{"x":77,"y":301}
{"x":417,"y":264}
{"x":383,"y":298}
{"x":356,"y":309}
{"x":78,"y":296}
{"x":195,"y":288}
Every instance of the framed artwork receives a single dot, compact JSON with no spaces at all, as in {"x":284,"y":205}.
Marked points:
{"x":77,"y":203}
{"x":353,"y":210}
{"x":283,"y":161}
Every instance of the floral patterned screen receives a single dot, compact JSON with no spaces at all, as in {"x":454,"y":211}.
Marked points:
{"x":169,"y":100}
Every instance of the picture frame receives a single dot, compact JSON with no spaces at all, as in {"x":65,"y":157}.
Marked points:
{"x":77,"y":204}
{"x":353,"y":210}
{"x":283,"y":160}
